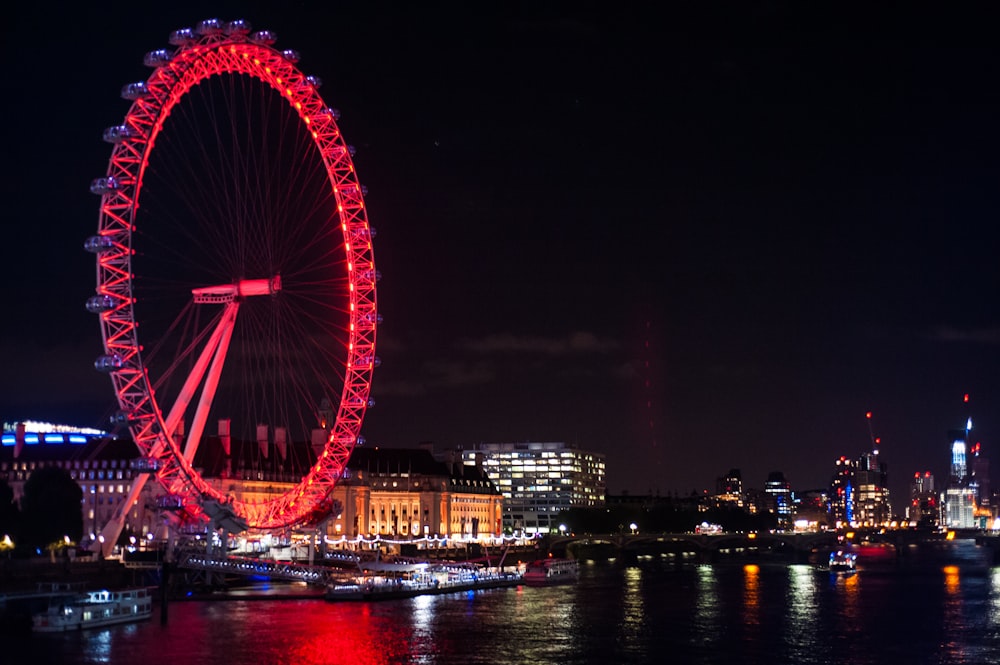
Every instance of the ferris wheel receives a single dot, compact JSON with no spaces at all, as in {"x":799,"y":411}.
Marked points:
{"x":235,"y":276}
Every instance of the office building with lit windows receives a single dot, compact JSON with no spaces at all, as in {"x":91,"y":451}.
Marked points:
{"x":923,"y":509}
{"x":540,"y":480}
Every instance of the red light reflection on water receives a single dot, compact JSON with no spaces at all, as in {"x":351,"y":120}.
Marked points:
{"x":354,"y":634}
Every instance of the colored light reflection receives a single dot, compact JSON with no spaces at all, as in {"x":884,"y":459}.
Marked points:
{"x":751,"y":594}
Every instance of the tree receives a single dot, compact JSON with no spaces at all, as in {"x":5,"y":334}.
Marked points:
{"x":51,"y":508}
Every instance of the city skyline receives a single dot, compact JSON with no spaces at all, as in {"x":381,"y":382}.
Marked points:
{"x":692,"y":244}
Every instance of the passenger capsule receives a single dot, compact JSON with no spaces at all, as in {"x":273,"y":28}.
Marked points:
{"x":376,"y":362}
{"x":265,"y":37}
{"x":102,"y":186}
{"x":352,"y":150}
{"x":99,"y":244}
{"x":364,"y":191}
{"x":290,"y":55}
{"x":100,"y":303}
{"x":157,"y":58}
{"x":182,"y":37}
{"x":371,"y":402}
{"x":332,"y":112}
{"x":314,"y":81}
{"x":210,"y":26}
{"x":238,"y":27}
{"x":120,"y":418}
{"x":109,"y":363}
{"x":360,"y":441}
{"x":134,"y":91}
{"x":119,"y":133}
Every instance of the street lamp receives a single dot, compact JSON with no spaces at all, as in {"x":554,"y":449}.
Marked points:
{"x":562,"y":529}
{"x":633,"y":526}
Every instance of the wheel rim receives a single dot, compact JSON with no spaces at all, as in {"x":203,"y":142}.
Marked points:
{"x":146,"y":381}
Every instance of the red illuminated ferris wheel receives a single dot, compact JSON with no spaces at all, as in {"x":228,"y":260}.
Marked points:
{"x":235,"y":274}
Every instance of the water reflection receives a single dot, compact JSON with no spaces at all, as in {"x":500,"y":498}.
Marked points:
{"x":994,"y":613}
{"x":801,"y":618}
{"x":633,"y":606}
{"x":954,"y":623}
{"x":751,"y":594}
{"x":706,"y":608}
{"x":423,"y":629}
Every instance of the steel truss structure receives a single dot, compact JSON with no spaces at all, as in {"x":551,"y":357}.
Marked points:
{"x":216,"y":49}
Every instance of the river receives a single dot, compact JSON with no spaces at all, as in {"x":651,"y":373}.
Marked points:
{"x":649,"y":611}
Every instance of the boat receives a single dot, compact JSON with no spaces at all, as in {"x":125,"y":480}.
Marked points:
{"x":843,"y":561}
{"x":544,"y":572}
{"x":94,"y":609}
{"x":394,"y":581}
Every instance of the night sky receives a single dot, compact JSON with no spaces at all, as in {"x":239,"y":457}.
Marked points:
{"x":691,"y":241}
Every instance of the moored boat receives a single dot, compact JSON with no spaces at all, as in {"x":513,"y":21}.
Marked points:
{"x":544,"y":572}
{"x":94,"y":609}
{"x":408,"y":581}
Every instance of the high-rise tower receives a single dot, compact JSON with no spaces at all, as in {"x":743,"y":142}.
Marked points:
{"x":960,"y":496}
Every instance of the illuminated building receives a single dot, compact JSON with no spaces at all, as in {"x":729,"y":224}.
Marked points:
{"x":812,"y":509}
{"x":729,"y":489}
{"x":779,"y":493}
{"x":871,"y":503}
{"x":960,"y":507}
{"x":859,"y":490}
{"x":390,"y":492}
{"x":101,"y":464}
{"x":960,"y":497}
{"x":539,"y":480}
{"x":402,"y":493}
{"x":406,"y":492}
{"x":923,"y":509}
{"x":842,"y":491}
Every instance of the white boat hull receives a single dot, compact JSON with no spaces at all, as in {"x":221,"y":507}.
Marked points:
{"x":95,"y":609}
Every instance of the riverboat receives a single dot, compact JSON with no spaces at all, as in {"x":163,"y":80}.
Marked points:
{"x":545,"y":572}
{"x":394,"y":581}
{"x":94,"y":609}
{"x":842,"y":561}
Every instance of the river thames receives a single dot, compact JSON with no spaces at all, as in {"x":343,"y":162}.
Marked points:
{"x":650,"y":611}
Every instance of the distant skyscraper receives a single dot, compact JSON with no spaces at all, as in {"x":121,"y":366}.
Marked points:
{"x":980,"y":477}
{"x":729,"y":489}
{"x":872,"y":494}
{"x":959,"y":510}
{"x":842,"y":491}
{"x":779,"y":491}
{"x":959,"y":443}
{"x":923,"y":509}
{"x":859,"y":490}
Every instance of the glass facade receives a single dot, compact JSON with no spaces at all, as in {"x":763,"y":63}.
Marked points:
{"x":539,"y":480}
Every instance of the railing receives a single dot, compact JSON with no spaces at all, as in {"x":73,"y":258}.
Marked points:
{"x":296,"y":572}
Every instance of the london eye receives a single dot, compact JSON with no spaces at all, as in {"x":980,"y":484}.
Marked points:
{"x":236,"y":283}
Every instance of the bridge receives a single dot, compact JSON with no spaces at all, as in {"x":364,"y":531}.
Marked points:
{"x":704,"y":547}
{"x":707,"y":548}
